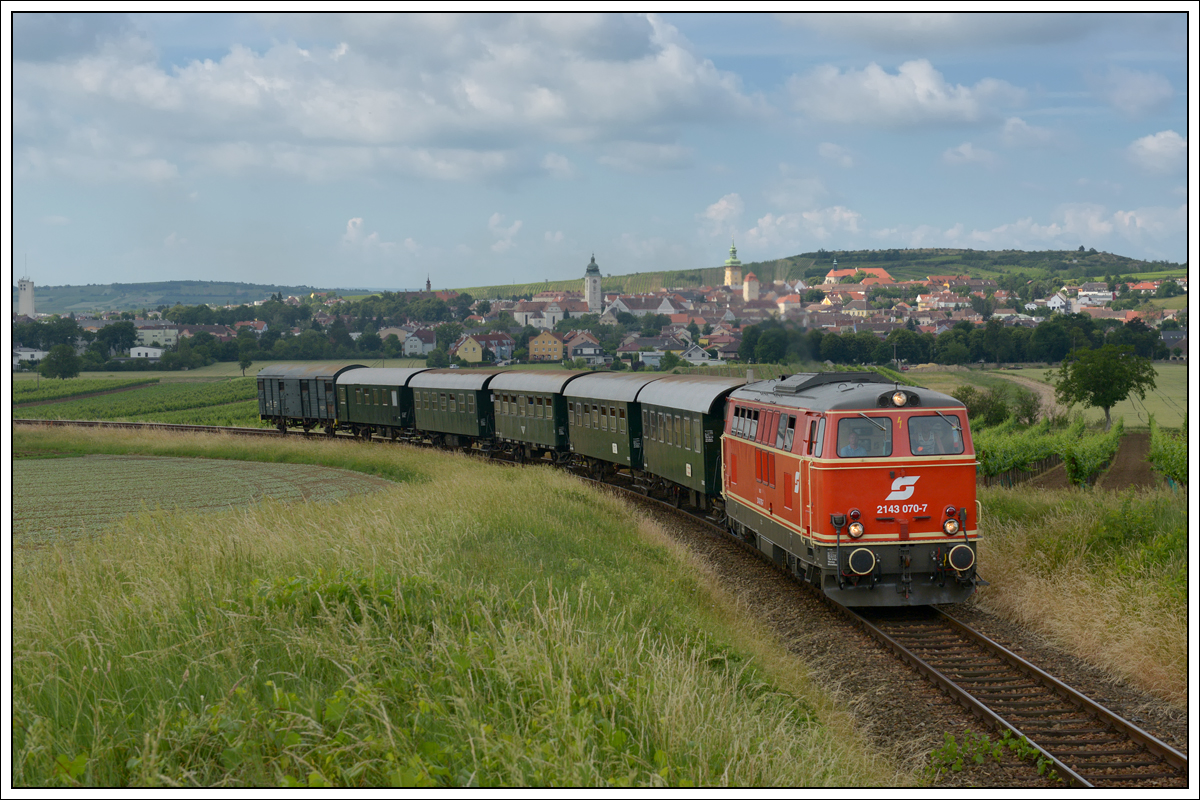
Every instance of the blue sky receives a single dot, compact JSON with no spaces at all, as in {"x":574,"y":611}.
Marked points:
{"x":375,"y":150}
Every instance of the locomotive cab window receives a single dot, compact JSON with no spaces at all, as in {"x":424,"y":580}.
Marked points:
{"x":935,"y":435}
{"x":864,"y":437}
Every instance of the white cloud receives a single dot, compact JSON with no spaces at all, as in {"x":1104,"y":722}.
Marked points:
{"x":1134,"y":94}
{"x":174,"y":240}
{"x":369,"y":245}
{"x":916,"y":95}
{"x":796,"y":231}
{"x":1019,"y":133}
{"x":558,"y":166}
{"x":1152,"y":229}
{"x":941,"y":31}
{"x":1164,"y":152}
{"x":505,"y":234}
{"x":554,"y":237}
{"x":721,"y":217}
{"x":442,"y":97}
{"x":967,"y":153}
{"x":639,"y":157}
{"x":835,"y":153}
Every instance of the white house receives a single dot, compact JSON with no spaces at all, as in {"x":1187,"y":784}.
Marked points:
{"x":146,"y":352}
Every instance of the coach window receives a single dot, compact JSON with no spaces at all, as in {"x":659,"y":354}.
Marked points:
{"x":791,"y":434}
{"x":753,"y":423}
{"x":462,"y":406}
{"x":699,"y":432}
{"x":453,"y":407}
{"x":375,"y":399}
{"x":570,"y":413}
{"x":782,"y":433}
{"x":529,"y":403}
{"x":603,"y":418}
{"x":357,"y":395}
{"x":595,"y":416}
{"x":539,"y":407}
{"x":863,"y":436}
{"x":470,"y":404}
{"x":678,"y":437}
{"x":687,"y":433}
{"x":621,"y":417}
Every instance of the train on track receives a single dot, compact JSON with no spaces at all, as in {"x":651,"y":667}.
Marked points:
{"x":864,"y":487}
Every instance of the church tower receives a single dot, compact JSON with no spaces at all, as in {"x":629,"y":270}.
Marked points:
{"x":733,"y":268}
{"x":591,"y":286}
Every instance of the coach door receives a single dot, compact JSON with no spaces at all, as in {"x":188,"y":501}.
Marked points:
{"x":809,"y":448}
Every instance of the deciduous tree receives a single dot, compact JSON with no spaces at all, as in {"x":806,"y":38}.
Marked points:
{"x":1102,"y":378}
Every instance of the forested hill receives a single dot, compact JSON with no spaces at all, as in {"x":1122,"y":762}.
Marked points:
{"x":94,"y":298}
{"x":902,"y":265}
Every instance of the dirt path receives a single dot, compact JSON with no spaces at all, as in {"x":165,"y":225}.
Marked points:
{"x":1044,"y":391}
{"x":1131,"y":466}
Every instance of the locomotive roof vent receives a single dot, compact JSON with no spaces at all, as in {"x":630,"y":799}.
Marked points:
{"x":803,"y":381}
{"x":892,"y":399}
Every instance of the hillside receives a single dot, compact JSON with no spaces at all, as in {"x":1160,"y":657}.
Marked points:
{"x":103,"y":297}
{"x":901,"y":264}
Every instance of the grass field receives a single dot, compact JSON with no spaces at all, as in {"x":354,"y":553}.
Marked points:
{"x":1168,"y":401}
{"x":529,"y":632}
{"x":1104,"y":575}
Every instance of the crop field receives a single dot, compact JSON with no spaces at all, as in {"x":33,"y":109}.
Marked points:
{"x":60,"y":499}
{"x":28,"y":389}
{"x":533,"y":632}
{"x":190,"y":402}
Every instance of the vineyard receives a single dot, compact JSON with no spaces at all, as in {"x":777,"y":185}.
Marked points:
{"x":232,"y":402}
{"x":31,"y":391}
{"x":1007,"y":455}
{"x":1169,"y":453}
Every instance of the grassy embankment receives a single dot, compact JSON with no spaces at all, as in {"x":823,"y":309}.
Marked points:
{"x":470,"y":626}
{"x":1102,"y":574}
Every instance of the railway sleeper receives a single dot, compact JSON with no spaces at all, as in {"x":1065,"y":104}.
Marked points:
{"x":1137,"y":776}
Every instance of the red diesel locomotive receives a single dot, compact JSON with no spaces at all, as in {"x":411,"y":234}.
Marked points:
{"x":863,"y":487}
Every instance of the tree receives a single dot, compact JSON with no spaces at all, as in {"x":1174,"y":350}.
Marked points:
{"x":1102,"y":378}
{"x":61,"y":362}
{"x":437,"y":358}
{"x":669,"y":362}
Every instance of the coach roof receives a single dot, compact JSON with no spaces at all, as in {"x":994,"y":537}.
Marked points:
{"x":696,"y":393}
{"x":375,"y":376}
{"x":471,"y":379}
{"x":305,"y":371}
{"x":549,"y":381}
{"x":615,"y":386}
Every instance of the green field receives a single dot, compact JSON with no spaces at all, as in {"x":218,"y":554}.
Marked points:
{"x":530,"y":632}
{"x":1167,"y":402}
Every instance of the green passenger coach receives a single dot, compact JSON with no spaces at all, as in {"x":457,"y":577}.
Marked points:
{"x":682,"y":420}
{"x":453,"y":406}
{"x":531,"y":413}
{"x":376,"y":402}
{"x":604,"y":419}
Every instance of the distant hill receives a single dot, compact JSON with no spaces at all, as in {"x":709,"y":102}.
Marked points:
{"x":98,"y":298}
{"x":901,"y":264}
{"x":906,"y":264}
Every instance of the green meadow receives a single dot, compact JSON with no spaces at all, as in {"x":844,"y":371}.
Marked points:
{"x":467,"y":625}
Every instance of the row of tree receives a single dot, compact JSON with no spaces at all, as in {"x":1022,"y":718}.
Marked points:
{"x":964,"y":343}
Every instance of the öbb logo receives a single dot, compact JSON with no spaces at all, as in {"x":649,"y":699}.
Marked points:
{"x":902,"y":488}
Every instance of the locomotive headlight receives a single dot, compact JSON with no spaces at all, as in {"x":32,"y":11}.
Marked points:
{"x":856,"y":530}
{"x":950,"y":526}
{"x":899,"y":398}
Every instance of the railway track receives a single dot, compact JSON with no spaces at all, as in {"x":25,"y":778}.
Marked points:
{"x":1086,"y":744}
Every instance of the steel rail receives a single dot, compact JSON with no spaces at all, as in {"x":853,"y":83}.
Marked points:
{"x":1106,"y":718}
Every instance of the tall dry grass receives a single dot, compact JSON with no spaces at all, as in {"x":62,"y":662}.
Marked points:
{"x":473,"y":626}
{"x":1102,"y":575}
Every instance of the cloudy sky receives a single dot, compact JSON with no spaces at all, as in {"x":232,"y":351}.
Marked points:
{"x":370,"y":151}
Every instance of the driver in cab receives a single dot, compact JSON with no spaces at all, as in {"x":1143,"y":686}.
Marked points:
{"x":851,"y":447}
